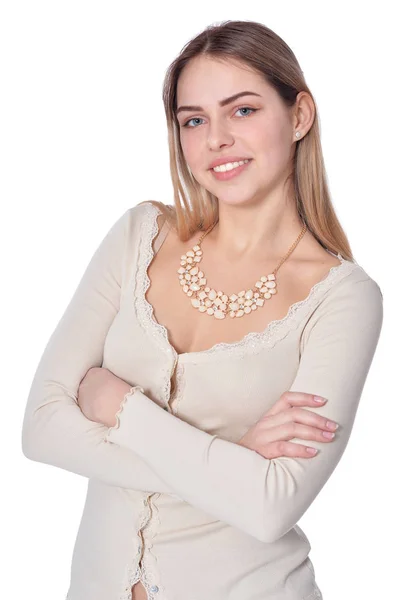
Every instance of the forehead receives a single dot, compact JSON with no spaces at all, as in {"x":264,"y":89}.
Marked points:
{"x":206,"y":79}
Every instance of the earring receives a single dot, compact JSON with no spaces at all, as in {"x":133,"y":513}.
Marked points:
{"x":298,"y":134}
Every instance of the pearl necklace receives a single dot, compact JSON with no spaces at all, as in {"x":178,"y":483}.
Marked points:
{"x":218,"y":304}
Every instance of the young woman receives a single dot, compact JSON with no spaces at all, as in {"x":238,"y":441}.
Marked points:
{"x":184,"y":379}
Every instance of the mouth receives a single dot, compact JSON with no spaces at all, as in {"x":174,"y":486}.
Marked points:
{"x":232,"y":170}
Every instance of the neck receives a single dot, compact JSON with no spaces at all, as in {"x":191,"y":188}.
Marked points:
{"x":251,"y":232}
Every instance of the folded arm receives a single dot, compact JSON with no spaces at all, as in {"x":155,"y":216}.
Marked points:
{"x":152,"y":450}
{"x":263,"y":497}
{"x":55,"y":431}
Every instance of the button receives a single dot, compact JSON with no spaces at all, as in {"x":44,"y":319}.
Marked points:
{"x":154,"y":588}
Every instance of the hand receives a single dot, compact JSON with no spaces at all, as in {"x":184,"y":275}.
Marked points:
{"x":100,"y":395}
{"x":284,"y":421}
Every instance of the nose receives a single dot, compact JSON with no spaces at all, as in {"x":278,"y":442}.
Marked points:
{"x":219,"y":136}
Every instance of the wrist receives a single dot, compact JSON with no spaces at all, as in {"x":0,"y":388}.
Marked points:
{"x":112,"y":404}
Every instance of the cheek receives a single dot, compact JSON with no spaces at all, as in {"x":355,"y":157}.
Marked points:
{"x":273,"y":147}
{"x":191,"y":150}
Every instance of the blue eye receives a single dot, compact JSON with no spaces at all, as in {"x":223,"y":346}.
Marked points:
{"x":193,"y":119}
{"x":246,"y":108}
{"x":186,"y":124}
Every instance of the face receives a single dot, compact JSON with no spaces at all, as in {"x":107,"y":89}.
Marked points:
{"x":256,"y":127}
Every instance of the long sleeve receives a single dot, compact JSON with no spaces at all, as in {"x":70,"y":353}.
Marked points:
{"x":263,"y":497}
{"x":55,"y":431}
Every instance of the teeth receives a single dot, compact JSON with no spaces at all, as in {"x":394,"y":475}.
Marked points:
{"x":229,"y":166}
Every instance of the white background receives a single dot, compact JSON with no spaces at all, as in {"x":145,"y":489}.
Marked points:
{"x":83,"y":138}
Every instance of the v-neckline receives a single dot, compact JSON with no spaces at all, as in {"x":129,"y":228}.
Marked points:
{"x":250,"y":339}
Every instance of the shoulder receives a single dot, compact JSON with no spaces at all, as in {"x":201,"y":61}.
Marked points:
{"x":346,"y":322}
{"x":358,"y":285}
{"x":143,"y":209}
{"x":145,"y":213}
{"x":347,"y":277}
{"x":352,"y":300}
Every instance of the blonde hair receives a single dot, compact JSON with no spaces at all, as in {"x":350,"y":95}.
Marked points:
{"x":254,"y":44}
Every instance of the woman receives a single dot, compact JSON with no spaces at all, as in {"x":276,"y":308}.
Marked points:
{"x":184,"y":379}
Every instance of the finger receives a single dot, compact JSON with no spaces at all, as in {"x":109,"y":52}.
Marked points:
{"x":297,"y":415}
{"x":291,"y":430}
{"x":282,"y":448}
{"x":291,"y":399}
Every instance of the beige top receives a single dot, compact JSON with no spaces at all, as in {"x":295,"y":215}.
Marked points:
{"x":172,"y":499}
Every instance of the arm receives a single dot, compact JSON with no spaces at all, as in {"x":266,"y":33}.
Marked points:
{"x":55,"y":431}
{"x":267,"y":497}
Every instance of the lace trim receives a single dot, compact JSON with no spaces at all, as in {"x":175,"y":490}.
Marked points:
{"x":121,"y":407}
{"x":315,"y":595}
{"x":133,"y":572}
{"x":144,"y":310}
{"x":174,"y":400}
{"x":146,"y":254}
{"x":142,"y":572}
{"x":252,"y":342}
{"x":148,"y":578}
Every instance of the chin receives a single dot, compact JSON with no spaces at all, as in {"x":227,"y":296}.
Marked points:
{"x":235,"y":202}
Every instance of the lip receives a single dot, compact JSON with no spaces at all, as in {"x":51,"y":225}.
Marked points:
{"x":227,"y":175}
{"x":226,"y":159}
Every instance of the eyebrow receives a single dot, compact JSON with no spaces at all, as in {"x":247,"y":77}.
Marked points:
{"x":222,"y":103}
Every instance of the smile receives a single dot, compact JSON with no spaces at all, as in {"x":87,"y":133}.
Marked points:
{"x":230,"y":170}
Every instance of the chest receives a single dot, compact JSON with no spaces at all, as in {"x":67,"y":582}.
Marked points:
{"x":190,"y":330}
{"x":158,"y":339}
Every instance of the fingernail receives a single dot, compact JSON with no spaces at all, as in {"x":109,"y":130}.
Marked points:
{"x":311,"y":450}
{"x":319,"y":399}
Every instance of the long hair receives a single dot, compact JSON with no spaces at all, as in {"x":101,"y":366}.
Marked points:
{"x":257,"y":46}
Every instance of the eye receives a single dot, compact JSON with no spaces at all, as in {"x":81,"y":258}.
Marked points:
{"x":186,"y":124}
{"x":247,"y":108}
